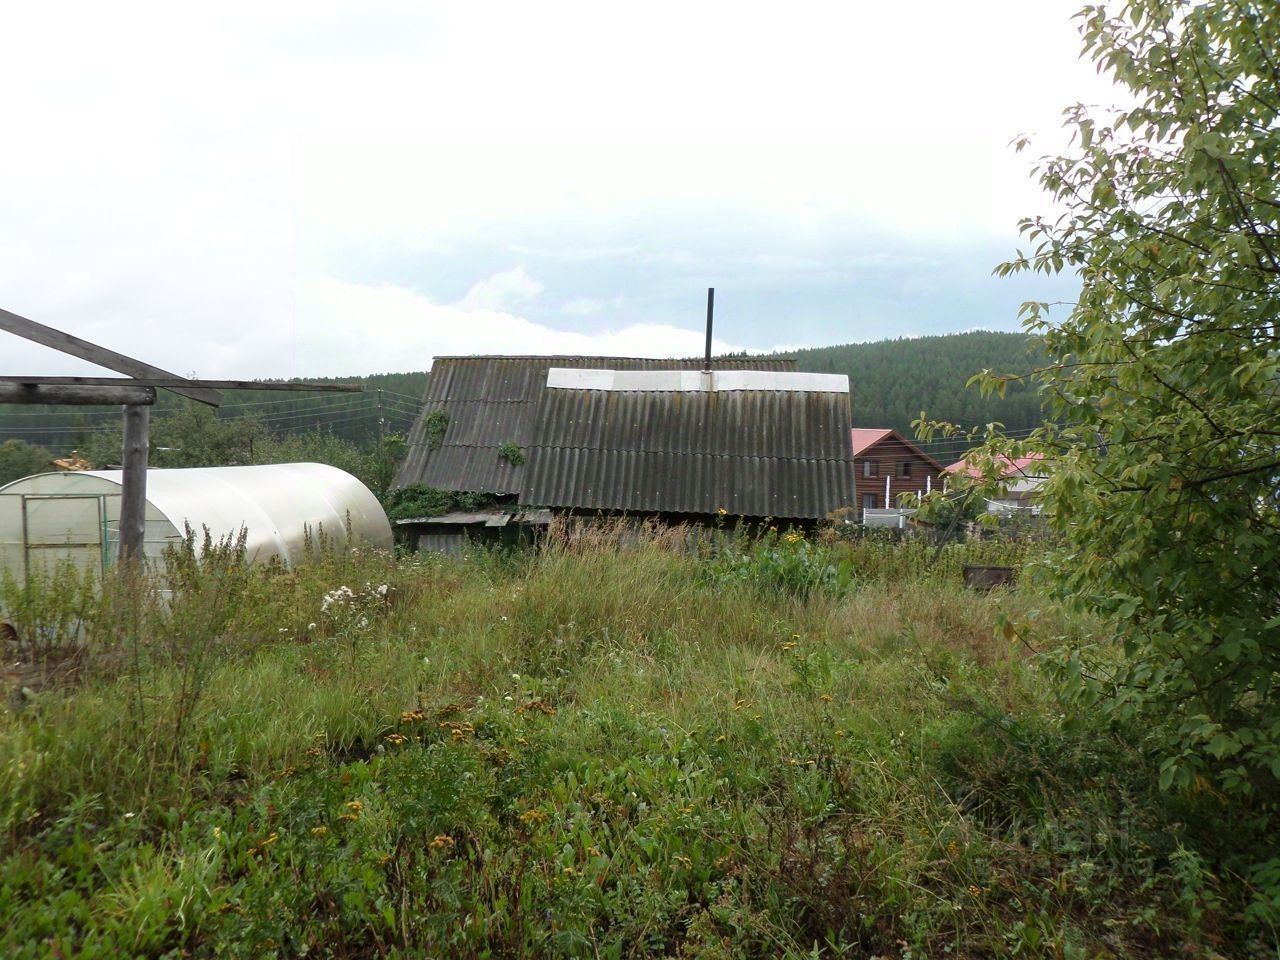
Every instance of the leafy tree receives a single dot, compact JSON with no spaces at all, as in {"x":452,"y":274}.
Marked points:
{"x":20,"y":459}
{"x":1165,"y":383}
{"x":195,"y":436}
{"x":375,"y":468}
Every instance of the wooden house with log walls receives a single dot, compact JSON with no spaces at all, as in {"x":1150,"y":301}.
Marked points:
{"x":887,"y":465}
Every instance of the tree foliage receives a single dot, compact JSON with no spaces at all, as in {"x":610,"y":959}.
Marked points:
{"x":1164,"y":384}
{"x":20,"y":459}
{"x":195,"y":436}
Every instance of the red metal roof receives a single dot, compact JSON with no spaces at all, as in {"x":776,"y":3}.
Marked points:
{"x":864,"y":438}
{"x":1012,"y":466}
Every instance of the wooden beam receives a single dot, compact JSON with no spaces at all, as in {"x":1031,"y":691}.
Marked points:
{"x":74,"y":346}
{"x":133,"y":493}
{"x":171,"y":383}
{"x":76,"y":394}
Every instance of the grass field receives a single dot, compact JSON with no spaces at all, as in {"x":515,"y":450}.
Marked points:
{"x":597,"y":751}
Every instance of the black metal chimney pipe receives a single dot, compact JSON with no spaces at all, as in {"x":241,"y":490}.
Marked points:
{"x":711,"y":302}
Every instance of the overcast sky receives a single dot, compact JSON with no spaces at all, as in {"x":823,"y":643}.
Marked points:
{"x":340,"y":188}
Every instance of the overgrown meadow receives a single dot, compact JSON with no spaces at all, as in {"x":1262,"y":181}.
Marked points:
{"x":783,"y":748}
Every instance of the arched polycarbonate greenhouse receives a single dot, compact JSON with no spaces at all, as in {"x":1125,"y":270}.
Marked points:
{"x":53,"y":517}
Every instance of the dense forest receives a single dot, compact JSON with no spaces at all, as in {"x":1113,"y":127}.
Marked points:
{"x":891,"y":382}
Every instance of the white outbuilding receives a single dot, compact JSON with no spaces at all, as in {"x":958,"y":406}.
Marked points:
{"x":52,"y":517}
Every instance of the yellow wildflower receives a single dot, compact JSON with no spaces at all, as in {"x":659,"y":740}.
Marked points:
{"x":319,"y":831}
{"x":441,"y":842}
{"x":355,"y":806}
{"x":530,"y":817}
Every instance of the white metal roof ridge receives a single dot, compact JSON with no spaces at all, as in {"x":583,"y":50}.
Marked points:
{"x":695,"y":381}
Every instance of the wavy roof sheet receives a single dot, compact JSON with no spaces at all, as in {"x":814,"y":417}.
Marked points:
{"x":754,"y":453}
{"x":490,"y":401}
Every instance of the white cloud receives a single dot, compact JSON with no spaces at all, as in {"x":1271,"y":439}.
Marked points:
{"x":581,"y":307}
{"x":590,"y":307}
{"x":180,"y":219}
{"x":502,"y":291}
{"x":365,"y":325}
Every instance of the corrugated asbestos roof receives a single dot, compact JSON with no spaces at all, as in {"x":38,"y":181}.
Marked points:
{"x":756,"y":453}
{"x":494,"y":400}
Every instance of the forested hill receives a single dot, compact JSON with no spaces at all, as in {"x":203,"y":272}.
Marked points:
{"x":891,"y":381}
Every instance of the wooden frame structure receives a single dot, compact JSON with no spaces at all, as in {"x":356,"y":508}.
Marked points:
{"x":135,"y":392}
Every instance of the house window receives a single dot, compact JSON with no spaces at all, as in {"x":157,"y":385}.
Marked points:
{"x":871,"y":468}
{"x":868,"y":501}
{"x":904,"y":468}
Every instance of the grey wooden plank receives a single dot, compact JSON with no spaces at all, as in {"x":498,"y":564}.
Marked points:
{"x":124,"y":394}
{"x":175,"y":383}
{"x":74,"y":346}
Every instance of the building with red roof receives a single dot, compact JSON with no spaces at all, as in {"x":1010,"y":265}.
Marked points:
{"x":888,"y":465}
{"x":1022,"y":477}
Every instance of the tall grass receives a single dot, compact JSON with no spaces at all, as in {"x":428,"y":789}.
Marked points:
{"x":616,"y":747}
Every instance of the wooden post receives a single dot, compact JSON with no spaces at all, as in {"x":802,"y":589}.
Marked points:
{"x":133,"y":498}
{"x":74,"y":394}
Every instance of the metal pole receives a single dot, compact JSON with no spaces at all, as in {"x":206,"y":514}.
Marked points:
{"x":711,"y":303}
{"x":133,"y":498}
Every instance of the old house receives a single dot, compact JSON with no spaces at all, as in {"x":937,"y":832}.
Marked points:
{"x":887,"y":465}
{"x":625,"y":436}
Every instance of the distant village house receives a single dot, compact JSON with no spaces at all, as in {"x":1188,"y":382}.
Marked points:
{"x":1022,"y":478}
{"x":887,"y":465}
